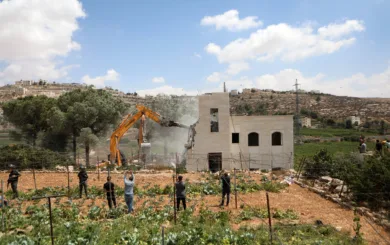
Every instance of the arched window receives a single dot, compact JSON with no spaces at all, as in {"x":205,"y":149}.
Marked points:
{"x":253,"y":139}
{"x":277,"y":138}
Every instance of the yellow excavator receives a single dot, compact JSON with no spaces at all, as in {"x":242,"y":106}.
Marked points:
{"x":143,"y":112}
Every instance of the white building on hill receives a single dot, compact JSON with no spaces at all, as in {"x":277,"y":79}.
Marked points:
{"x":223,"y":141}
{"x":354,"y":120}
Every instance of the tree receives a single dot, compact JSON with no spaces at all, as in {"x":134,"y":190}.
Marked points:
{"x":88,"y":139}
{"x":348,"y":124}
{"x":90,"y":108}
{"x":330,"y":122}
{"x":30,"y":115}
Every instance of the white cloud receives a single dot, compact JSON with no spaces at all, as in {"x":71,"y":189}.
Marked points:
{"x":358,"y":84}
{"x":231,"y":21}
{"x":198,"y":55}
{"x":287,"y":42}
{"x":33,"y":34}
{"x":99,"y":81}
{"x":213,"y":48}
{"x":215,"y":77}
{"x":158,"y":80}
{"x":239,"y":84}
{"x":237,"y":67}
{"x":166,"y":89}
{"x":338,"y":30}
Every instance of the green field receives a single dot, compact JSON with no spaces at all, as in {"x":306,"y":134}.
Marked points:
{"x":333,"y":132}
{"x":310,"y":149}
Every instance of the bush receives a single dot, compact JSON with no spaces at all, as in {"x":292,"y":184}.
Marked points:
{"x":24,"y":157}
{"x":319,"y":165}
{"x":371,"y":182}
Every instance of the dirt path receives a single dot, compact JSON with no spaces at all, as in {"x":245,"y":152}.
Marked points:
{"x":308,"y":205}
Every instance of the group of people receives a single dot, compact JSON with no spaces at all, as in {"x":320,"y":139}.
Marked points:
{"x":380,"y":146}
{"x":109,"y":188}
{"x":129,"y":183}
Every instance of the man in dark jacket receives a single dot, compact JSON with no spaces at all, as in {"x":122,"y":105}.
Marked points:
{"x":109,"y":188}
{"x":225,"y":179}
{"x":180,"y":193}
{"x":13,"y":180}
{"x":83,"y":177}
{"x":378,"y":146}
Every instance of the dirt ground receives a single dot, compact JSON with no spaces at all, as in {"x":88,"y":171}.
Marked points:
{"x":308,"y":205}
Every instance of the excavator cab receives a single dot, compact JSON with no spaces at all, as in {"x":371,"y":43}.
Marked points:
{"x":123,"y":158}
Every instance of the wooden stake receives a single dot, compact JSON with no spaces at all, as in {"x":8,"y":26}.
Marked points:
{"x":162,"y":235}
{"x":174,"y":199}
{"x":67,"y":168}
{"x":2,"y":207}
{"x":269,"y":217}
{"x":235,"y":187}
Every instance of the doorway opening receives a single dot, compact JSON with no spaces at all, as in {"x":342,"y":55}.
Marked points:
{"x":215,"y":162}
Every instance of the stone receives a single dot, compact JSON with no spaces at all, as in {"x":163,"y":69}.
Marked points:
{"x":338,"y":188}
{"x":338,"y":228}
{"x":326,"y":179}
{"x":336,"y":182}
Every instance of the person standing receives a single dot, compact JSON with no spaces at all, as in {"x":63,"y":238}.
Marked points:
{"x":363,"y":148}
{"x":13,"y":180}
{"x":180,"y":193}
{"x":225,"y":179}
{"x":378,"y":146}
{"x":129,"y":191}
{"x":109,"y":187}
{"x":83,"y":177}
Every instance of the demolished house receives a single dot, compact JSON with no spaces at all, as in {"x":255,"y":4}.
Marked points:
{"x":224,"y":141}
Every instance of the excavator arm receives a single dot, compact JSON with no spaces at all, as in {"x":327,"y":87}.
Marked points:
{"x":129,"y":121}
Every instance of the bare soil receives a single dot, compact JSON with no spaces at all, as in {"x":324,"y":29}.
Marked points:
{"x":308,"y":205}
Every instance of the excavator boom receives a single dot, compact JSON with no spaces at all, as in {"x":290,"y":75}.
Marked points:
{"x":129,"y":121}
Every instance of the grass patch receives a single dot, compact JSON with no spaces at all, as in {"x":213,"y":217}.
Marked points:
{"x":333,"y":132}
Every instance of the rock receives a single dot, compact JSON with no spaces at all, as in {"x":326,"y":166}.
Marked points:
{"x":338,"y":188}
{"x":336,"y":182}
{"x":338,"y":228}
{"x":326,"y":179}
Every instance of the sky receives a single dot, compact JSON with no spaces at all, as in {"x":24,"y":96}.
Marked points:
{"x":193,"y":47}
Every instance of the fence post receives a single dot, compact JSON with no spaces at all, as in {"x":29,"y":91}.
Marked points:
{"x":249,"y":164}
{"x":33,"y":170}
{"x":98,"y":167}
{"x":162,"y":235}
{"x":269,"y":217}
{"x":174,"y":199}
{"x":67,"y":168}
{"x":2,"y":207}
{"x":235,"y":187}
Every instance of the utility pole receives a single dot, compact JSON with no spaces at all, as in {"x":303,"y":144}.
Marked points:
{"x":297,"y":112}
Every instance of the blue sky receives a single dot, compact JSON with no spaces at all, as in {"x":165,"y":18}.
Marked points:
{"x":126,"y":44}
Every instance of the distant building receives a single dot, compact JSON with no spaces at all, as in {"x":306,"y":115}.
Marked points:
{"x":354,"y":120}
{"x":234,"y":92}
{"x":246,"y":91}
{"x":306,"y":122}
{"x":24,"y":83}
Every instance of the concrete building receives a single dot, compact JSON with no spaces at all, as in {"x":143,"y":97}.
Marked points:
{"x":306,"y":122}
{"x":223,"y":141}
{"x":234,"y":92}
{"x":354,"y":120}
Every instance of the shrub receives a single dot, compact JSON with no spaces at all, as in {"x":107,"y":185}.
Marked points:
{"x":24,"y":157}
{"x":320,"y":165}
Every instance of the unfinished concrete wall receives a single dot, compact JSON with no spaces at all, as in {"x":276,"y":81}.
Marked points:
{"x":265,"y":155}
{"x":207,"y":141}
